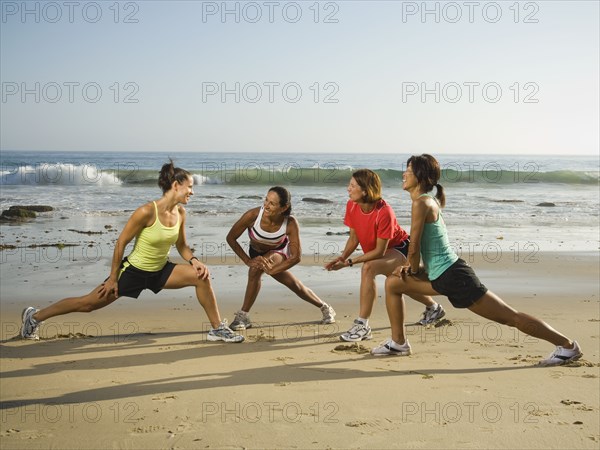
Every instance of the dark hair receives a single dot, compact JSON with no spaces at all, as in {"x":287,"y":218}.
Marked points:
{"x":370,"y":182}
{"x":169,"y":174}
{"x":427,"y":171}
{"x":285,"y":198}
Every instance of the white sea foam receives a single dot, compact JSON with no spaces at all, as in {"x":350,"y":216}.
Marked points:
{"x":58,"y":174}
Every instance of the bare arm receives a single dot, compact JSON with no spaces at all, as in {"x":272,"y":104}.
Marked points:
{"x":237,"y":230}
{"x":419,"y":212}
{"x":184,"y":249}
{"x":141,"y":218}
{"x":379,"y":250}
{"x":340,"y":261}
{"x":293,"y":233}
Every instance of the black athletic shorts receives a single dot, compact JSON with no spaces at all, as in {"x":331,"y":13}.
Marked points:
{"x":403,"y":247}
{"x":133,"y":281}
{"x":460,"y":284}
{"x":284,"y":251}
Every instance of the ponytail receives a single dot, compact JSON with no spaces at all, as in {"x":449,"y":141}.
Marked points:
{"x":169,"y":174}
{"x":440,"y":195}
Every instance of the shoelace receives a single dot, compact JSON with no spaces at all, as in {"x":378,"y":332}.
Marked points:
{"x":355,"y":328}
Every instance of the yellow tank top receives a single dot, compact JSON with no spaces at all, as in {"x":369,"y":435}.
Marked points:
{"x":152,"y":245}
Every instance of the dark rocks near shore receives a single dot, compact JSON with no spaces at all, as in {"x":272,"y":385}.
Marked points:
{"x":549,"y":204}
{"x":21,"y":213}
{"x":339,"y":233}
{"x":251,"y":197}
{"x":89,"y":233}
{"x":316,"y":200}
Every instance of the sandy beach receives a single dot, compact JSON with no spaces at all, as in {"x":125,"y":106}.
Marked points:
{"x":141,"y":374}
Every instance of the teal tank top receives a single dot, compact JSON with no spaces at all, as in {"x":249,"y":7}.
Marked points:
{"x":435,"y":247}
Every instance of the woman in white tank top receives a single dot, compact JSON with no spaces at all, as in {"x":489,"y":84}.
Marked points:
{"x":274,"y":249}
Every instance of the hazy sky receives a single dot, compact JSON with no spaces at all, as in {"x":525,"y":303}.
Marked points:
{"x":344,"y":76}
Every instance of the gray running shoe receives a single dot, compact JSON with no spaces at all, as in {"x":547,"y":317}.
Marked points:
{"x":328,"y":314}
{"x":30,"y":327}
{"x":432,"y":315}
{"x":358,"y":332}
{"x":241,"y":321}
{"x":224,"y":333}
{"x":386,"y":349}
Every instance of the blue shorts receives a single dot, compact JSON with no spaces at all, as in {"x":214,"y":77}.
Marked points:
{"x":403,"y":247}
{"x":460,"y":284}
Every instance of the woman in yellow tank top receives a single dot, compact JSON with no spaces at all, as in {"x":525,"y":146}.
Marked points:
{"x":156,"y":226}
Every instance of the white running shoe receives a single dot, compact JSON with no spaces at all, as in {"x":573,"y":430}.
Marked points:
{"x":390,"y":348}
{"x":224,"y":333}
{"x":432,"y":315}
{"x":328,"y":314}
{"x":30,"y":327}
{"x":358,"y":332}
{"x":562,"y":356}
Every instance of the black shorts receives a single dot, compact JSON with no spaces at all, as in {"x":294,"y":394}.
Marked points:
{"x":284,"y":251}
{"x":403,"y":247}
{"x":460,"y":284}
{"x":132,"y":281}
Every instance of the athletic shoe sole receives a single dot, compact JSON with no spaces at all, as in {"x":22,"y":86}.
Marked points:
{"x":562,"y":362}
{"x":212,"y":338}
{"x":394,"y":353}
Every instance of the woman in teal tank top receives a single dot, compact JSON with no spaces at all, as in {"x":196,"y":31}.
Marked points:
{"x":156,"y":227}
{"x":444,"y":273}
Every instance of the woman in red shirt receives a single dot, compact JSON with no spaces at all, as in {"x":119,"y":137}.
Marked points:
{"x":373,"y":225}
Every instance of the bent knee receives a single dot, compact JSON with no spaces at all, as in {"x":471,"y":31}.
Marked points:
{"x":253,"y":272}
{"x":203,"y":281}
{"x":368,"y":269}
{"x":394,"y":283}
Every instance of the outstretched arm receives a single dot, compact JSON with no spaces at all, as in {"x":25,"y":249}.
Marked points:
{"x":185,"y":251}
{"x":340,"y":261}
{"x":237,"y":230}
{"x":140,"y":219}
{"x":419,"y":212}
{"x":293,"y":233}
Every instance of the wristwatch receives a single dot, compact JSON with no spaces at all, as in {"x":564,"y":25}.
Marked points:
{"x":349,"y":262}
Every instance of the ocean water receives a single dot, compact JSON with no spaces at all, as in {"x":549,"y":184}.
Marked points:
{"x":492,"y":201}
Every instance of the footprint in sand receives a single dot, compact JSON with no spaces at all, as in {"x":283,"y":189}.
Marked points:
{"x":369,"y":426}
{"x":351,"y":348}
{"x":148,"y":429}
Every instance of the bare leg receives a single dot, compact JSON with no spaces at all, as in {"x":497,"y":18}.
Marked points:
{"x":382,"y":266}
{"x":252,"y":288}
{"x":395,"y":287}
{"x":85,"y":303}
{"x":493,"y":308}
{"x":396,"y":309}
{"x":295,"y":285}
{"x":184,"y":275}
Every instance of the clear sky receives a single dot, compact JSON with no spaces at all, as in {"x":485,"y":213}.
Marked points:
{"x":267,"y":76}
